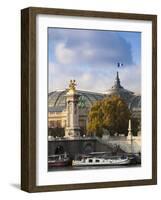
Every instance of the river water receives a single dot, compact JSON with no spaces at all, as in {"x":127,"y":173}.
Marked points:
{"x":71,"y":168}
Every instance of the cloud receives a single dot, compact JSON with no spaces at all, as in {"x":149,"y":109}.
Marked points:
{"x":131,"y":78}
{"x":89,"y":47}
{"x":90,"y":57}
{"x":94,"y":80}
{"x":64,"y":55}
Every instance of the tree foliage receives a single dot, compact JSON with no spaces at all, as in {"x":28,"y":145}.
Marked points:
{"x":111,"y":113}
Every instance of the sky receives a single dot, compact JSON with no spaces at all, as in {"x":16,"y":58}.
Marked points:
{"x":91,"y":56}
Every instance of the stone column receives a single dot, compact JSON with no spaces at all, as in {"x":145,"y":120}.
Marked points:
{"x":72,"y":127}
{"x":130,"y":136}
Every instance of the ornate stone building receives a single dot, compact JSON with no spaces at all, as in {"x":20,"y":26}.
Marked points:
{"x":69,"y":108}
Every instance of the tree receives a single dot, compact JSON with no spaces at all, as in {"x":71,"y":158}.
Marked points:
{"x":111,"y":113}
{"x":95,"y":119}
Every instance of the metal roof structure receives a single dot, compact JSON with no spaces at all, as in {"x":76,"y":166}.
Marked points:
{"x":57,"y":99}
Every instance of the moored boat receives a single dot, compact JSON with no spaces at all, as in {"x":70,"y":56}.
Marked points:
{"x":135,"y":158}
{"x":96,"y":161}
{"x":60,"y":160}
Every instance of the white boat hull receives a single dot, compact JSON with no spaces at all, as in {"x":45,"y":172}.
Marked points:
{"x":100,"y":162}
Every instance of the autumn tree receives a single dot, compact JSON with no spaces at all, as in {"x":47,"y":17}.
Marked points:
{"x":112,"y":114}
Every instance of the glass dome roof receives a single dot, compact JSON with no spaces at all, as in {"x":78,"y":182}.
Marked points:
{"x":135,"y":103}
{"x":117,"y":89}
{"x":57,"y":99}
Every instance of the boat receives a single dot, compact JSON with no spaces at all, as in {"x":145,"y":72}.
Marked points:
{"x":96,"y":161}
{"x":96,"y":154}
{"x":135,"y":158}
{"x":59,"y":160}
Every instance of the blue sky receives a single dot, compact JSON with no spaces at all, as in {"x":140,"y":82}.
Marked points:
{"x":90,"y":57}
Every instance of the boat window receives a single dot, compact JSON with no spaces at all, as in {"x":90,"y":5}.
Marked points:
{"x":97,"y":160}
{"x":90,"y":160}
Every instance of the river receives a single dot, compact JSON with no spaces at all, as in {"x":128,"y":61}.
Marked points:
{"x":71,"y":168}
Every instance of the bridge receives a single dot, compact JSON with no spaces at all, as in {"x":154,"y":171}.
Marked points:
{"x":77,"y":146}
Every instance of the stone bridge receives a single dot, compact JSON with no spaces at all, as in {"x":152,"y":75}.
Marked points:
{"x":77,"y":146}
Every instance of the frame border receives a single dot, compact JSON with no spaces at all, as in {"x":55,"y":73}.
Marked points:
{"x":28,"y":98}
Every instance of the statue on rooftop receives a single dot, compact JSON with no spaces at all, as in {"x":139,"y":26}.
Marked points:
{"x":72,"y":86}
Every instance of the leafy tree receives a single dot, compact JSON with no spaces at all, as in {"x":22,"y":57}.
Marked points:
{"x":95,"y":119}
{"x":111,"y":113}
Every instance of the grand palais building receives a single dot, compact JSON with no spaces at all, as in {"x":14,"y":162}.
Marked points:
{"x":57,"y":105}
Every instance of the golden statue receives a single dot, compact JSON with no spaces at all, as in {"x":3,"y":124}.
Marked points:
{"x":72,"y":86}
